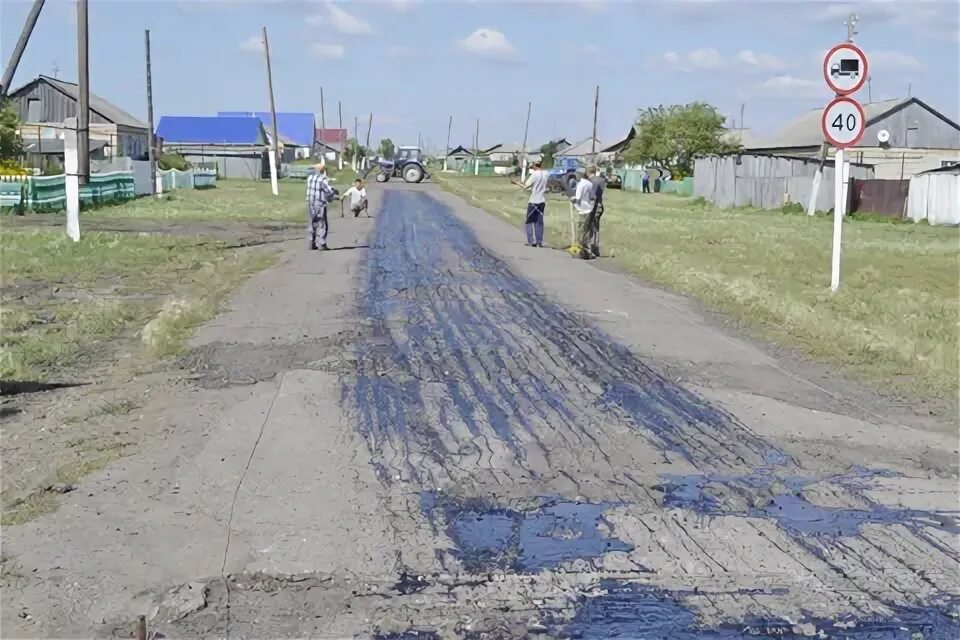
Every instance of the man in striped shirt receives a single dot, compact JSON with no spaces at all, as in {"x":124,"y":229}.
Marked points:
{"x":319,"y":194}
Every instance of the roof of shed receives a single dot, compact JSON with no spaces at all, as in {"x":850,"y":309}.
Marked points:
{"x":297,"y":128}
{"x":105,"y":109}
{"x":211,"y":130}
{"x":805,"y":131}
{"x":582,"y":148}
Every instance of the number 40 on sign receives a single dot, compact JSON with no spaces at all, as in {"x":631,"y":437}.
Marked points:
{"x":843,"y":122}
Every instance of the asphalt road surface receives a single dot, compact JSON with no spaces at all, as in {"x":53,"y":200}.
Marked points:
{"x":439,"y":433}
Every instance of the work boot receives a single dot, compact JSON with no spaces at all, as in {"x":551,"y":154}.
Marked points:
{"x":324,"y":247}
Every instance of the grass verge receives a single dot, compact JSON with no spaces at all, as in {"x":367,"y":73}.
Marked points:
{"x":894,"y":319}
{"x":246,"y":200}
{"x":63,"y":301}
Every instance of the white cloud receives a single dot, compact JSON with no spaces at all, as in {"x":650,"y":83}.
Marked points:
{"x":892,"y":61}
{"x":324,"y":51}
{"x":760,"y":61}
{"x":399,"y":51}
{"x":489,"y":44}
{"x":253,"y":44}
{"x":937,"y":19}
{"x":697,"y":59}
{"x":785,"y":85}
{"x":404,"y":6}
{"x":589,"y":48}
{"x":342,"y":21}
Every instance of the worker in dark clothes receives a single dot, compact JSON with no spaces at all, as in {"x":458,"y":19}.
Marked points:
{"x":646,"y":181}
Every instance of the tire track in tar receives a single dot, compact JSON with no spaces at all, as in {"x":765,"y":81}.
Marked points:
{"x":476,"y":383}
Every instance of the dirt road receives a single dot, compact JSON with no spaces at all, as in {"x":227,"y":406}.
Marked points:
{"x":440,"y":433}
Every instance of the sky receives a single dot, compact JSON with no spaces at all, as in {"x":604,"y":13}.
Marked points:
{"x":415,"y":63}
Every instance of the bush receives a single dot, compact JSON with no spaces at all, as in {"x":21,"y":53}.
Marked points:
{"x":169,"y":161}
{"x":12,"y":168}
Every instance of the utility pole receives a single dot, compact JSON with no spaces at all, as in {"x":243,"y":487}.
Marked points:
{"x":323,"y":127}
{"x":366,"y":147}
{"x":343,"y":143}
{"x":818,"y":176}
{"x":526,"y":129}
{"x":742,"y":126}
{"x":596,"y":106}
{"x":356,"y":139}
{"x":275,"y":152}
{"x":83,"y":86}
{"x":19,"y":48}
{"x":476,"y":150}
{"x":151,"y":140}
{"x":447,"y":149}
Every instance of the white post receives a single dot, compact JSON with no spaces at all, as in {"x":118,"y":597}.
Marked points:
{"x":159,"y":185}
{"x":838,"y":212}
{"x":71,"y":166}
{"x":846,"y":184}
{"x":339,"y":160}
{"x":815,"y":189}
{"x":273,"y":172}
{"x":476,"y":166}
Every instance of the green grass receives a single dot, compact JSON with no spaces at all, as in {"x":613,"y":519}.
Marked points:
{"x":894,"y":319}
{"x":241,"y":200}
{"x":71,"y":297}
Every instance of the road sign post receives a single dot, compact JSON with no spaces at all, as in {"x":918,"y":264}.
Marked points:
{"x":845,"y":70}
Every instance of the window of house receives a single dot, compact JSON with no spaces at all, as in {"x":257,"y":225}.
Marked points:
{"x":34,"y":110}
{"x":949,"y":163}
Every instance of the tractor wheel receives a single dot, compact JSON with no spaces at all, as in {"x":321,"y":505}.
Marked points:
{"x":569,"y":183}
{"x":382,"y":177}
{"x":413,"y":173}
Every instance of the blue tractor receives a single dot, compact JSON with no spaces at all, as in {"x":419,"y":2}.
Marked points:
{"x":563,"y":177}
{"x":407,"y":163}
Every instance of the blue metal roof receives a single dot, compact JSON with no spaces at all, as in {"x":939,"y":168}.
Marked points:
{"x":211,"y":130}
{"x":296,"y":127}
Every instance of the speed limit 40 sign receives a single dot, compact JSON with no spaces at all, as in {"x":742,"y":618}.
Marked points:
{"x":843,"y":122}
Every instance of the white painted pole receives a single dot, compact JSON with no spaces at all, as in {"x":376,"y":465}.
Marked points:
{"x":846,"y":184}
{"x":817,"y":179}
{"x":273,"y":171}
{"x":71,"y":166}
{"x":838,"y":212}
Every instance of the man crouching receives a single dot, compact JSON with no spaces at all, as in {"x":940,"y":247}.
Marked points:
{"x":319,"y":194}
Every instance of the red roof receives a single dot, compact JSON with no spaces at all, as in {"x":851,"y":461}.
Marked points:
{"x":331,"y":137}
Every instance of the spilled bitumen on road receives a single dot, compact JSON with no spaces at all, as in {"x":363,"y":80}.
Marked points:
{"x":539,"y":446}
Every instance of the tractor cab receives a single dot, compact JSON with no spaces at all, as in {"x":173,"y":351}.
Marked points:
{"x":406,"y":154}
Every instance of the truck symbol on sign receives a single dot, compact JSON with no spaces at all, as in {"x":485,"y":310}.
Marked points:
{"x":849,"y":67}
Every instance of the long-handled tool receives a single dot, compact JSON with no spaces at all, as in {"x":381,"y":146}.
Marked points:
{"x":341,"y":208}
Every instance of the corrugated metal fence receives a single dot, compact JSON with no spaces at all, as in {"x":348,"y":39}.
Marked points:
{"x":765,"y":182}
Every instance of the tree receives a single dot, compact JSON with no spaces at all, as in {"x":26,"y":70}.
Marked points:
{"x":387,"y":148}
{"x":10,"y":147}
{"x":547,"y":151}
{"x":672,"y":137}
{"x":352,"y":150}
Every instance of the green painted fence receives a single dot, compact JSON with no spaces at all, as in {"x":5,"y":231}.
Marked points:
{"x":49,"y":193}
{"x":680,"y":187}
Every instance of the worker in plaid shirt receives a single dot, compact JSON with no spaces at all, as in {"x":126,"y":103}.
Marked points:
{"x":319,"y":193}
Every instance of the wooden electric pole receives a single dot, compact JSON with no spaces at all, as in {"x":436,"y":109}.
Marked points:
{"x":526,"y":129}
{"x":151,"y":139}
{"x":273,"y":108}
{"x":356,"y":139}
{"x":367,"y":145}
{"x":476,"y":150}
{"x":447,"y":150}
{"x":323,"y":127}
{"x":83,"y":86}
{"x":593,"y":143}
{"x":343,"y":143}
{"x":19,"y":48}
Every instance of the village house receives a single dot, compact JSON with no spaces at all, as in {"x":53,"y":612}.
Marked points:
{"x":43,"y":104}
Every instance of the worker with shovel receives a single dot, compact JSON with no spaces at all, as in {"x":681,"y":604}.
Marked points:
{"x":358,"y":199}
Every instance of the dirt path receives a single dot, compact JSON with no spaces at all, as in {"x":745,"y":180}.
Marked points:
{"x":445,"y":434}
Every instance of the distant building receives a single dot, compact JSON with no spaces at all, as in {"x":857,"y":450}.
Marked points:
{"x":236,"y":146}
{"x":296,"y":130}
{"x":920,"y":138}
{"x":584,"y":151}
{"x":43,"y":104}
{"x":329,"y":143}
{"x":457,"y":157}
